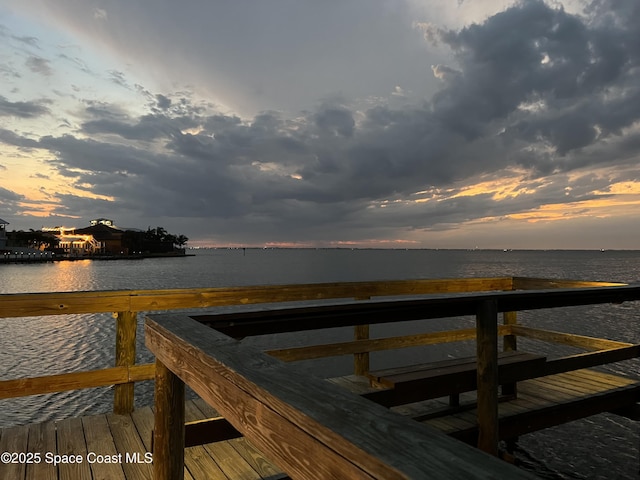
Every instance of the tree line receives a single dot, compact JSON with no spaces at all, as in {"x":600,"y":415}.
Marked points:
{"x":153,"y":240}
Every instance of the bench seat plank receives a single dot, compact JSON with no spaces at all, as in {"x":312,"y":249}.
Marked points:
{"x":449,"y":377}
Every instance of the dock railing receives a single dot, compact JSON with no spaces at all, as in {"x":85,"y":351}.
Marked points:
{"x":227,"y":373}
{"x":126,"y":305}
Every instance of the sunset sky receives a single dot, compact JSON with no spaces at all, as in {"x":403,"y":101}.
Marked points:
{"x":355,"y":123}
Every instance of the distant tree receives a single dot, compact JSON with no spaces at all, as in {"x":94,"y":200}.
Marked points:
{"x":33,"y":239}
{"x":181,"y":241}
{"x":159,"y":240}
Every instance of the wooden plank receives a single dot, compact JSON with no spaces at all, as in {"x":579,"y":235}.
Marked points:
{"x":168,"y":435}
{"x":14,"y":440}
{"x":513,"y":364}
{"x":287,"y":415}
{"x":143,"y":420}
{"x":591,"y":359}
{"x":39,"y":304}
{"x":602,"y":377}
{"x":265,"y":468}
{"x":71,"y":442}
{"x":310,"y":352}
{"x":100,"y":442}
{"x":352,"y":383}
{"x":190,"y":298}
{"x":487,"y":374}
{"x":580,"y":341}
{"x":243,"y":324}
{"x":207,"y":410}
{"x":530,"y":283}
{"x":42,"y":439}
{"x":232,"y":464}
{"x":197,"y":459}
{"x":73,"y":381}
{"x":199,"y":464}
{"x":128,"y":441}
{"x":126,"y":326}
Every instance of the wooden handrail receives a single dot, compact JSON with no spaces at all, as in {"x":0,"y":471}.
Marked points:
{"x":40,"y":304}
{"x":311,"y":352}
{"x":23,"y":387}
{"x":360,"y":314}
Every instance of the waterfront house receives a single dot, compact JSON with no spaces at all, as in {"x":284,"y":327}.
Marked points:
{"x":109,"y":236}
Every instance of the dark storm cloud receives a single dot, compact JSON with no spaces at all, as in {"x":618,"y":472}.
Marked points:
{"x":580,"y":71}
{"x":30,"y":109}
{"x":9,"y":202}
{"x":533,"y":89}
{"x":10,"y":196}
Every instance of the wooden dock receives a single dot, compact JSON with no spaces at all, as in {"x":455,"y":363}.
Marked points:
{"x":125,"y":439}
{"x":435,"y":420}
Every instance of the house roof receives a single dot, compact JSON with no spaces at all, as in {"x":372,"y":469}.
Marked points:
{"x":100,"y":232}
{"x":3,"y":222}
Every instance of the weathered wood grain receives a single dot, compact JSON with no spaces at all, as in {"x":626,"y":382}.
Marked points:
{"x":126,"y":325}
{"x":73,"y":381}
{"x":71,"y":443}
{"x":99,"y":441}
{"x":42,"y":439}
{"x":39,"y":304}
{"x":13,"y":439}
{"x":168,"y":435}
{"x":571,"y":339}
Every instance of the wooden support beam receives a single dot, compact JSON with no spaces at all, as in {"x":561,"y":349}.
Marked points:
{"x":210,"y":430}
{"x":168,"y":433}
{"x":361,"y":359}
{"x":487,"y":346}
{"x":126,"y":325}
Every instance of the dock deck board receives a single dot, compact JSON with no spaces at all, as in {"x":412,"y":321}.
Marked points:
{"x":581,"y":393}
{"x":126,"y":434}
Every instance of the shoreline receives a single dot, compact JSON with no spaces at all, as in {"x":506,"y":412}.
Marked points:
{"x":40,"y":258}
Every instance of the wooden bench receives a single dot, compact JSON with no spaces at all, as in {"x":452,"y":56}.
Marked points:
{"x":449,"y":377}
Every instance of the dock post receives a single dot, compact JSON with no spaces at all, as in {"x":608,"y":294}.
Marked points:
{"x":487,"y":345}
{"x":361,"y":360}
{"x":168,"y":433}
{"x":126,"y":325}
{"x":510,"y":344}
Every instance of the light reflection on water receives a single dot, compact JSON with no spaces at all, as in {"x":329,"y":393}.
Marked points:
{"x":591,"y":448}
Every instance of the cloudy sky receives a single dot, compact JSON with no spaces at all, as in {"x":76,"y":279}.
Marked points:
{"x":365,"y":123}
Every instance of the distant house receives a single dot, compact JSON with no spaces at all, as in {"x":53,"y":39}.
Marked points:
{"x":109,"y":237}
{"x":3,"y":233}
{"x":79,"y":245}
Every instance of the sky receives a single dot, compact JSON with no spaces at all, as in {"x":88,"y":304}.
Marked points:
{"x":306,"y":123}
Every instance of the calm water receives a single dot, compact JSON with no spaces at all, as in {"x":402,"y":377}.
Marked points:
{"x":603,"y":447}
